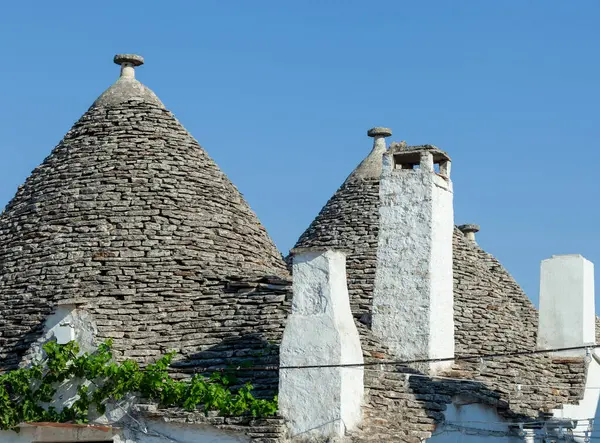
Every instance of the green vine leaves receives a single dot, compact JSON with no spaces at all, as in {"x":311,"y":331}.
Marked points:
{"x":26,"y":392}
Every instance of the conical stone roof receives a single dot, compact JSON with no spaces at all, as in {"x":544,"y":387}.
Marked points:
{"x":488,"y":303}
{"x":130,"y":217}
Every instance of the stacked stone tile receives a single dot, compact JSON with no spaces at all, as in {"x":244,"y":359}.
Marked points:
{"x":131,"y":220}
{"x":491,"y":313}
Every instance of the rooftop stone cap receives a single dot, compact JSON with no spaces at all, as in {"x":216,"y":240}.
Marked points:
{"x":127,"y":88}
{"x":379,"y":131}
{"x":469,"y":228}
{"x":134,"y":59}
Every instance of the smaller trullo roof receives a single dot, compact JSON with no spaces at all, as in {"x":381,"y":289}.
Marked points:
{"x":492,"y":314}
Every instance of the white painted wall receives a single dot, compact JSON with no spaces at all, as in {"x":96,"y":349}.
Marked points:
{"x":441,"y":309}
{"x":413,"y":295}
{"x":588,"y":406}
{"x":56,"y":433}
{"x":14,"y":437}
{"x":473,"y":423}
{"x":65,"y":324}
{"x":320,"y":402}
{"x":158,"y":431}
{"x":567,"y":310}
{"x":133,"y":431}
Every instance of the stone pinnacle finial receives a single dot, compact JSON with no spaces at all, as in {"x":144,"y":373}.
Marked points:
{"x":128,"y":62}
{"x":379,"y":134}
{"x":469,"y":230}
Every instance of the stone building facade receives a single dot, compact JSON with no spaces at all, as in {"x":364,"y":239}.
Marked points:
{"x":128,"y":230}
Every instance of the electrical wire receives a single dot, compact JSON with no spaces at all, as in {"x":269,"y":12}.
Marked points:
{"x":524,"y":423}
{"x":468,"y":358}
{"x":471,"y":358}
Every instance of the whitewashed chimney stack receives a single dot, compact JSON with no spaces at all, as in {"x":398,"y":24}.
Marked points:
{"x":413,"y":297}
{"x":567,"y":316}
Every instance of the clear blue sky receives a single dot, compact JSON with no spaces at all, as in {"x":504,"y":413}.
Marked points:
{"x":281,"y":95}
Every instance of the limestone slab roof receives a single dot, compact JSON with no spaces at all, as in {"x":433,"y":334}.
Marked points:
{"x":492,"y":315}
{"x":130,"y":219}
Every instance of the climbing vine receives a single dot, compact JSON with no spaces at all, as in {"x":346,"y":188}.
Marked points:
{"x":26,"y":392}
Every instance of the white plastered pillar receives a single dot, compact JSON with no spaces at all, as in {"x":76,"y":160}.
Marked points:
{"x":322,"y":402}
{"x":567,"y":316}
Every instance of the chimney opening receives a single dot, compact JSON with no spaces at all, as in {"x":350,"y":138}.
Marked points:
{"x":445,"y":168}
{"x":413,"y":160}
{"x":407,"y":161}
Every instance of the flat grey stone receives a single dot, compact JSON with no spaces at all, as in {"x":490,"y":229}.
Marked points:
{"x":379,"y":131}
{"x":469,"y":228}
{"x":134,"y":59}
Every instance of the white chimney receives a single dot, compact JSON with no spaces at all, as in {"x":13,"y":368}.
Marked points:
{"x":320,"y":402}
{"x":567,"y":316}
{"x":413,"y":296}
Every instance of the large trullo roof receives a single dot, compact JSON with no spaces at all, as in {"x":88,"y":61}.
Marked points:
{"x":130,"y":216}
